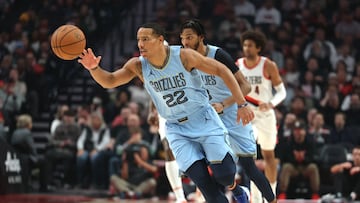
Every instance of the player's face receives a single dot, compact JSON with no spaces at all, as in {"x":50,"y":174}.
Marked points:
{"x":148,"y":43}
{"x":249,"y":48}
{"x":190,"y":39}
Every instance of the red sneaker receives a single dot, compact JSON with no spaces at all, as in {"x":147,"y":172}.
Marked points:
{"x":282,"y":195}
{"x":315,"y":196}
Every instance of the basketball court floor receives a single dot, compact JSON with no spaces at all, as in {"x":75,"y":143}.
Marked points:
{"x":48,"y":198}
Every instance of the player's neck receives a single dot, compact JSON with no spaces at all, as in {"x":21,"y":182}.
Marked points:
{"x":160,"y":60}
{"x":250,"y":61}
{"x":203,"y":49}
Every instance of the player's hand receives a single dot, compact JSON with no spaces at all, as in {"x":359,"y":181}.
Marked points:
{"x":153,"y":119}
{"x":88,"y":59}
{"x":218,"y":107}
{"x":265,"y":106}
{"x":245,"y":114}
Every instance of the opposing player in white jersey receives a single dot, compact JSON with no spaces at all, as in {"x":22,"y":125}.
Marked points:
{"x":263,"y":75}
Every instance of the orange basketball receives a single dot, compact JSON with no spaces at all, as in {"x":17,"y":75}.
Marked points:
{"x":68,"y":42}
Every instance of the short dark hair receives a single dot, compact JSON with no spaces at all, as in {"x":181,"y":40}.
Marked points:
{"x":195,"y":25}
{"x":256,"y":36}
{"x":157,"y":29}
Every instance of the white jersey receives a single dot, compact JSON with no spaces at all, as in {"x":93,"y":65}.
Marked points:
{"x":261,"y":86}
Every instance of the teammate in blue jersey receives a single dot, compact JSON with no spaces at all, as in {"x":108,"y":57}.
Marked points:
{"x":240,"y":137}
{"x":193,"y":128}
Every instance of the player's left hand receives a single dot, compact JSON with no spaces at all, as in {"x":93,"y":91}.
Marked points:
{"x":245,"y":114}
{"x":218,"y":107}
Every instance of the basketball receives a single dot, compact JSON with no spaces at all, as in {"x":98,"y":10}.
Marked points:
{"x":68,"y":42}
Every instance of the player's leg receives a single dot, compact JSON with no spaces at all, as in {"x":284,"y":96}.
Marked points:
{"x":242,"y":141}
{"x":258,"y":178}
{"x":171,"y":167}
{"x":172,"y":173}
{"x":199,"y":174}
{"x":267,"y":132}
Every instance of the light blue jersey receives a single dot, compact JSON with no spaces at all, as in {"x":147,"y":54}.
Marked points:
{"x":175,"y":91}
{"x":241,"y":138}
{"x":193,"y":128}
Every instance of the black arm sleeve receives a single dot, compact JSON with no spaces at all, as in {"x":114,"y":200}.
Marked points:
{"x":225,"y":58}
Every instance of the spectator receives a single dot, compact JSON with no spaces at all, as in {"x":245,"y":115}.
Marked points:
{"x":123,"y":139}
{"x":24,"y":145}
{"x":58,"y":118}
{"x":354,"y":111}
{"x":346,"y":102}
{"x":123,"y":96}
{"x":319,"y":72}
{"x":284,"y":133}
{"x":330,"y":103}
{"x":95,"y":146}
{"x":245,"y":9}
{"x":310,"y":90}
{"x":62,"y":149}
{"x":268,"y":15}
{"x":344,"y":54}
{"x":347,"y":176}
{"x":347,"y":26}
{"x":120,"y":120}
{"x":343,"y":79}
{"x":274,"y":54}
{"x":319,"y":132}
{"x":320,"y":47}
{"x":341,"y":133}
{"x":136,"y":175}
{"x":298,"y":107}
{"x":298,"y":160}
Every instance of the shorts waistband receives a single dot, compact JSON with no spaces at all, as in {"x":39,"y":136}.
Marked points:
{"x":188,"y":117}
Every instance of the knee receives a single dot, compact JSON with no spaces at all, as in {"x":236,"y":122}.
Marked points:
{"x":268,"y":155}
{"x":224,"y":173}
{"x":313,"y":168}
{"x":286,"y":168}
{"x":82,"y":158}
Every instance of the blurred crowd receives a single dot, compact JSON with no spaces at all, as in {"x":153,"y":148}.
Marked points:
{"x":107,"y":142}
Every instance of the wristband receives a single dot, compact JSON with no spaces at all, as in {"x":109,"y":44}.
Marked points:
{"x":242,"y":105}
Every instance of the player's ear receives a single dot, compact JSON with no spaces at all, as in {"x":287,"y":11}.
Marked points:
{"x":161,"y":38}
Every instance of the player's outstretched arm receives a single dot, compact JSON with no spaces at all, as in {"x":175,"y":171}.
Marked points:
{"x":109,"y":79}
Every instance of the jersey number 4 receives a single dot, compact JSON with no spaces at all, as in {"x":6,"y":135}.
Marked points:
{"x":257,"y":90}
{"x":178,"y":97}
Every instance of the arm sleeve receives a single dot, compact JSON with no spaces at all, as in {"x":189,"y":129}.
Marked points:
{"x":225,"y":58}
{"x":279,"y":95}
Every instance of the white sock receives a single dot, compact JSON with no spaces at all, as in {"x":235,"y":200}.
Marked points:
{"x":273,"y":187}
{"x":256,"y":196}
{"x":172,"y":173}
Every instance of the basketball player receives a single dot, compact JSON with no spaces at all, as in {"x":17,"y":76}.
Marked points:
{"x":263,"y":75}
{"x":241,"y":138}
{"x":193,"y":128}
